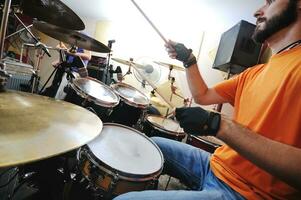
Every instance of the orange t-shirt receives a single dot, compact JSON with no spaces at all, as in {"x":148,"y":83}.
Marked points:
{"x":267,"y":100}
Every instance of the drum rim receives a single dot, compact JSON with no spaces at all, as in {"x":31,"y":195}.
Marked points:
{"x":91,"y":98}
{"x":216,"y":145}
{"x":123,"y":175}
{"x":131,"y":103}
{"x":155,"y":126}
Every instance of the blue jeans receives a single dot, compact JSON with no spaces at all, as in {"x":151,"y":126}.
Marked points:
{"x":191,"y":166}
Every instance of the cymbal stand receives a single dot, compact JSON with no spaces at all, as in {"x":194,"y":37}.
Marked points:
{"x":130,"y":67}
{"x":3,"y":74}
{"x":35,"y":83}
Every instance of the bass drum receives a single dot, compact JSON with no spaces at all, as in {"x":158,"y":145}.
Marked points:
{"x":132,"y":106}
{"x":162,"y":127}
{"x":93,"y":95}
{"x":120,"y":160}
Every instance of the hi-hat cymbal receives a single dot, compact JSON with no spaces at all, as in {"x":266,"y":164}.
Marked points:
{"x":34,"y":127}
{"x":71,"y":37}
{"x":54,"y":12}
{"x":127,"y":62}
{"x":170,"y":66}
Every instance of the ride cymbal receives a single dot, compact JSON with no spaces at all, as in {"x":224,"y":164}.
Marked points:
{"x":54,"y":12}
{"x":71,"y":37}
{"x":34,"y":127}
{"x":170,"y":66}
{"x":127,"y":62}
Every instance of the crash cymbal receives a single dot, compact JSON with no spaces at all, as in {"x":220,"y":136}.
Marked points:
{"x":170,"y":66}
{"x":54,"y":12}
{"x":71,"y":37}
{"x":127,"y":62}
{"x":34,"y":127}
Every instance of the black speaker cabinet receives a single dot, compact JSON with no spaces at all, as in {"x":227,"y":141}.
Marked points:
{"x":237,"y":51}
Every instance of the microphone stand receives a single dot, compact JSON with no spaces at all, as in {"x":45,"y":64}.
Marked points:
{"x":107,"y":77}
{"x":32,"y":35}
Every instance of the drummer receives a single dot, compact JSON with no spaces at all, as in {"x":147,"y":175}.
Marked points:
{"x":74,"y":52}
{"x":78,"y":58}
{"x":262,"y":157}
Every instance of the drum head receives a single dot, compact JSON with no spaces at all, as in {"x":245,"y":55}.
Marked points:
{"x":127,"y":150}
{"x":165,"y":124}
{"x":131,"y":95}
{"x":96,"y":91}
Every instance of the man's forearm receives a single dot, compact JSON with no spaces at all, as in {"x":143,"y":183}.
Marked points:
{"x":280,"y":160}
{"x":196,"y":84}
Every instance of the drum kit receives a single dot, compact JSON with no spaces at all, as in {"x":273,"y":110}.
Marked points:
{"x":92,"y":145}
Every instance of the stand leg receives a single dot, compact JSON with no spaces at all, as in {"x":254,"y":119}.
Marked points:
{"x":48,"y":80}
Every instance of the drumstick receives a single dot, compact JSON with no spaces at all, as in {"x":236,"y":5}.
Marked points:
{"x":152,"y":85}
{"x":151,"y":23}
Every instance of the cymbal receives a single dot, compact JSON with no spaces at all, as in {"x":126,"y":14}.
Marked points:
{"x":71,"y":37}
{"x":158,"y":102}
{"x":170,"y":66}
{"x":34,"y":127}
{"x":127,"y":62}
{"x":54,"y":12}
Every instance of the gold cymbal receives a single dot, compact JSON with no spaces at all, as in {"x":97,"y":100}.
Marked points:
{"x":127,"y":62}
{"x":71,"y":37}
{"x":158,"y":102}
{"x":34,"y":127}
{"x":170,"y":66}
{"x":54,"y":12}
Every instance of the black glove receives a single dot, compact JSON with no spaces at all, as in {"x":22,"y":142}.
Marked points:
{"x":197,"y":121}
{"x":185,"y":55}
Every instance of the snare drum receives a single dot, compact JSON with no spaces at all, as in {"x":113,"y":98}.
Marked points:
{"x":92,"y":94}
{"x":120,"y":160}
{"x":163,"y":127}
{"x":207,"y":143}
{"x":132,"y":105}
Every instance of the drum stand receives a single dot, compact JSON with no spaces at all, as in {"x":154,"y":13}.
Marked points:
{"x":107,"y":76}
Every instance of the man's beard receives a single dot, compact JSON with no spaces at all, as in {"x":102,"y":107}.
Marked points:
{"x":277,"y":23}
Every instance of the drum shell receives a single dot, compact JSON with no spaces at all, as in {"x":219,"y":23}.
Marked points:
{"x":102,"y":178}
{"x":128,"y":111}
{"x":152,"y":131}
{"x":202,"y":142}
{"x":112,"y":181}
{"x":126,"y":114}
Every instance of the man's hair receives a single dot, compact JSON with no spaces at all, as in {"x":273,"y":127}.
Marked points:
{"x":278,"y":22}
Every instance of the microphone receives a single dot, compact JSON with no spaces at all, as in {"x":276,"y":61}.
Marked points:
{"x":44,"y":47}
{"x":118,"y":71}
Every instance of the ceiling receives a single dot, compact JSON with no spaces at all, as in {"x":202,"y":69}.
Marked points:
{"x":233,"y":10}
